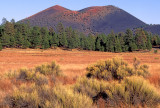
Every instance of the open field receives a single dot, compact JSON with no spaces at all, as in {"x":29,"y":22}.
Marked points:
{"x":72,"y":63}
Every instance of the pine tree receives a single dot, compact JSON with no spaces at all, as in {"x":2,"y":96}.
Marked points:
{"x":128,"y":39}
{"x":76,"y":40}
{"x":1,"y":46}
{"x":141,"y":39}
{"x":5,"y":40}
{"x":4,"y":20}
{"x":118,"y":46}
{"x":98,"y":43}
{"x":132,"y":46}
{"x":12,"y":41}
{"x":82,"y":41}
{"x":92,"y":40}
{"x":9,"y":29}
{"x":25,"y":43}
{"x":13,"y":21}
{"x":60,"y":30}
{"x":148,"y":44}
{"x":110,"y":43}
{"x":64,"y":42}
{"x":45,"y":41}
{"x":121,"y":37}
{"x":55,"y":40}
{"x":35,"y":38}
{"x":18,"y":40}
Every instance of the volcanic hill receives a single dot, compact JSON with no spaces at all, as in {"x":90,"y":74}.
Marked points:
{"x":97,"y":19}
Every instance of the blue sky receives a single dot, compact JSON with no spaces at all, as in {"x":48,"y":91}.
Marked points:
{"x":146,"y":10}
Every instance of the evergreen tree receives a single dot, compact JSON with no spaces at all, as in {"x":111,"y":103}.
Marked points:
{"x":118,"y":46}
{"x":98,"y":43}
{"x":12,"y":41}
{"x":36,"y":37}
{"x":76,"y":40}
{"x":110,"y":43}
{"x":9,"y":29}
{"x":132,"y":46}
{"x":140,"y":38}
{"x":1,"y":46}
{"x":13,"y":21}
{"x":129,"y":40}
{"x":45,"y":41}
{"x":25,"y":43}
{"x":92,"y":41}
{"x":18,"y":40}
{"x":60,"y":30}
{"x":55,"y":40}
{"x":121,"y":37}
{"x":148,"y":44}
{"x":82,"y":40}
{"x":64,"y":42}
{"x":5,"y":40}
{"x":4,"y":20}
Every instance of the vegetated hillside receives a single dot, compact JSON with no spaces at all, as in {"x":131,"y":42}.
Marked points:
{"x":101,"y":19}
{"x":155,"y":29}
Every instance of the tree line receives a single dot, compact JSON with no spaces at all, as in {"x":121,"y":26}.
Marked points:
{"x":16,"y":35}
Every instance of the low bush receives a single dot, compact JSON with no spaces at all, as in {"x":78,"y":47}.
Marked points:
{"x":69,"y":99}
{"x":32,"y":96}
{"x":49,"y":69}
{"x":40,"y":79}
{"x":26,"y":74}
{"x":32,"y":76}
{"x":24,"y":97}
{"x":115,"y":69}
{"x":89,"y":87}
{"x":133,"y":91}
{"x":155,"y":51}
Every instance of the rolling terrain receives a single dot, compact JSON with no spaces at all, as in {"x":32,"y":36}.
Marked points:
{"x":97,"y":19}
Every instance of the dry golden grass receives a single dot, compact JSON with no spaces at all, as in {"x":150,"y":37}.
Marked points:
{"x":73,"y":63}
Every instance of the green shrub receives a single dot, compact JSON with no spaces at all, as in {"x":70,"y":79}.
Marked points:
{"x":24,"y":97}
{"x":26,"y":74}
{"x":116,"y":69}
{"x":49,"y":69}
{"x":89,"y":87}
{"x":40,"y":79}
{"x":135,"y":91}
{"x":69,"y":99}
{"x":30,"y":75}
{"x":155,"y":51}
{"x":32,"y":96}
